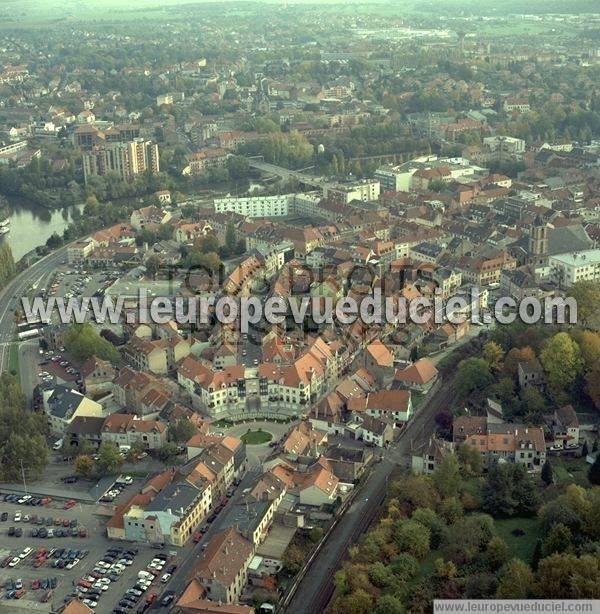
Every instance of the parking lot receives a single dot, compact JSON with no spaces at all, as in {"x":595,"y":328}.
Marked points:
{"x":92,"y":567}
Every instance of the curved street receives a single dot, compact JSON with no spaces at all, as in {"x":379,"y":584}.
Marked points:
{"x":10,"y":298}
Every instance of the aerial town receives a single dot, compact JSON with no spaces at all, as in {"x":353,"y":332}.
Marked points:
{"x":281,"y":153}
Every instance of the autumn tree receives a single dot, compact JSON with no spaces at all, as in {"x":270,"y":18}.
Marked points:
{"x":587,"y":295}
{"x":514,"y":357}
{"x":559,"y":539}
{"x":565,"y":576}
{"x":515,"y":581}
{"x":493,"y":354}
{"x":562,"y":362}
{"x":84,"y":465}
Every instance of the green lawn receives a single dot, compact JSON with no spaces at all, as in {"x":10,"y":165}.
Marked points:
{"x":255,"y":438}
{"x":13,"y":360}
{"x":570,"y":470}
{"x":521,"y":547}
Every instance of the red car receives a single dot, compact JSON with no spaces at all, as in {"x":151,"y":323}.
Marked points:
{"x":35,"y":585}
{"x":69,"y":504}
{"x":20,"y":593}
{"x":152,"y":597}
{"x":84,"y":583}
{"x":197,"y":536}
{"x":39,"y":562}
{"x":46,"y":500}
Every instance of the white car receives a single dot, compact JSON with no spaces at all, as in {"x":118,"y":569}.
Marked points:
{"x":26,"y":518}
{"x":17,"y":517}
{"x":128,"y":480}
{"x":14,"y":562}
{"x":90,"y":603}
{"x":100,"y":587}
{"x":126,"y":562}
{"x":72,"y":564}
{"x":145,"y":574}
{"x":26,"y":552}
{"x":165,"y":578}
{"x":103,"y":564}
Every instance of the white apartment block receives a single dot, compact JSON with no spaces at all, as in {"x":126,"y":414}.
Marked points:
{"x":254,"y":206}
{"x":567,"y":269}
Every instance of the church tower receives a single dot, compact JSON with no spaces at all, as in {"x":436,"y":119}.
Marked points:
{"x":538,"y":243}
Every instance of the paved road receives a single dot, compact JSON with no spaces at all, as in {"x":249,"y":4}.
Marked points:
{"x":286,"y":173}
{"x":190,"y":554}
{"x":316,"y":588}
{"x":35,"y":274}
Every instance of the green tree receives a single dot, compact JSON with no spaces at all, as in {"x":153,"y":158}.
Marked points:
{"x":559,"y":539}
{"x":389,"y":604}
{"x":592,"y":384}
{"x":380,"y":575}
{"x":82,"y":341}
{"x":168,"y":452}
{"x":22,"y":434}
{"x":515,"y":581}
{"x":210,"y":244}
{"x":152,"y":265}
{"x":412,"y":537}
{"x":469,"y":458}
{"x":7,"y":264}
{"x":238,"y":167}
{"x":497,"y":552}
{"x":547,"y":473}
{"x":181,"y":430}
{"x":594,"y":472}
{"x":109,"y":459}
{"x":446,"y":477}
{"x":357,"y":602}
{"x":230,"y":237}
{"x":433,"y":522}
{"x":509,"y":490}
{"x":473,"y":375}
{"x":405,"y":566}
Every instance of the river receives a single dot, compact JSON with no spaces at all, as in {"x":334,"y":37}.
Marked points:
{"x":32,"y":226}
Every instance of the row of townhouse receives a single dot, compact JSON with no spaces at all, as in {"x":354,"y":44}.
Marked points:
{"x":170,"y":514}
{"x":269,"y":387}
{"x":158,"y":355}
{"x":119,"y":429}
